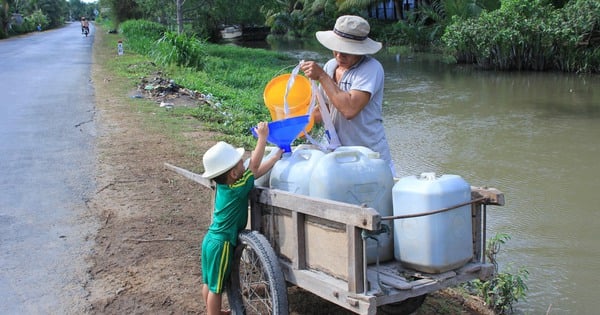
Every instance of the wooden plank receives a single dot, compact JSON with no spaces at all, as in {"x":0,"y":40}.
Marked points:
{"x":356,"y":276}
{"x":476,"y":231}
{"x":330,"y":289}
{"x":348,"y":214}
{"x":494,"y":196}
{"x":191,"y":175}
{"x":299,"y":262}
{"x":255,"y":215}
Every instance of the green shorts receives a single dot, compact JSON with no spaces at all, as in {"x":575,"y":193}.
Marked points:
{"x":217,"y":256}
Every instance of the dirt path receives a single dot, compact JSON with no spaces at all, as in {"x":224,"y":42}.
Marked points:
{"x":146,"y":257}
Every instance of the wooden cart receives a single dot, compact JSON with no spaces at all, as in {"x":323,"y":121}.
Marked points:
{"x":318,"y":245}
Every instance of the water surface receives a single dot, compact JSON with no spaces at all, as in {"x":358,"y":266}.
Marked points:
{"x":534,"y":136}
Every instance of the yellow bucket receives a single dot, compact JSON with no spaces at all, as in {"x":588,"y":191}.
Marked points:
{"x":298,"y":98}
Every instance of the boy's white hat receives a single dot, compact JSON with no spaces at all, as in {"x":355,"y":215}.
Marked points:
{"x":220,"y":158}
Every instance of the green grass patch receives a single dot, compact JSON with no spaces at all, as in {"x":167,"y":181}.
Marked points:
{"x":233,"y":77}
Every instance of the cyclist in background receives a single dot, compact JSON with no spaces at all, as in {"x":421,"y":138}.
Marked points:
{"x":84,"y":25}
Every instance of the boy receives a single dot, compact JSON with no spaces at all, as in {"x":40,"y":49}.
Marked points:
{"x":223,"y":163}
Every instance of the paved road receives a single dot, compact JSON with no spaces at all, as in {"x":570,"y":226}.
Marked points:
{"x":47,"y":156}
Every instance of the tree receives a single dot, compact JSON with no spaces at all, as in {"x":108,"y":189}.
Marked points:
{"x":55,"y":10}
{"x":5,"y":16}
{"x":122,"y":10}
{"x":180,"y":15}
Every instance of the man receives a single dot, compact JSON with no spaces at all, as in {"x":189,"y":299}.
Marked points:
{"x":353,"y":83}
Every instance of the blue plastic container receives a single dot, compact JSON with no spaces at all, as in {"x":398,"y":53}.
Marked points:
{"x":357,"y":176}
{"x":438,"y":242}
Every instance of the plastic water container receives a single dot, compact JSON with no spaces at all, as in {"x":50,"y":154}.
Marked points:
{"x":366,"y":151}
{"x":357,"y":176}
{"x":438,"y":242}
{"x":263,"y":180}
{"x":292,"y":172}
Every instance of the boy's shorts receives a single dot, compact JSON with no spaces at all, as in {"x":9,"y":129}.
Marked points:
{"x":217,"y":256}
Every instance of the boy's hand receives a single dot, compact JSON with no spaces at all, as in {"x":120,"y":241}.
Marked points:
{"x":262,"y":129}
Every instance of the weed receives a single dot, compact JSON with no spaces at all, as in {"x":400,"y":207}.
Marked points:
{"x":505,"y":289}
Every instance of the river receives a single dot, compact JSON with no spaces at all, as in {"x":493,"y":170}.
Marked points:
{"x":534,"y":136}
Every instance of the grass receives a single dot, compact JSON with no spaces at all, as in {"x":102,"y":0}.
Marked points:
{"x":234,"y":77}
{"x":122,"y":74}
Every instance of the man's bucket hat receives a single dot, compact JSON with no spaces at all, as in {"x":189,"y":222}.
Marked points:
{"x":349,"y":36}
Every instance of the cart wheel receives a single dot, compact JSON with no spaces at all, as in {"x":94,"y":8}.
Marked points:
{"x":405,"y":307}
{"x":257,"y":284}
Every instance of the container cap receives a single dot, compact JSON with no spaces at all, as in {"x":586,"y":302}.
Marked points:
{"x":427,"y":176}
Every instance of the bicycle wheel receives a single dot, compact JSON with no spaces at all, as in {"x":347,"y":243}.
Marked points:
{"x":257,"y":285}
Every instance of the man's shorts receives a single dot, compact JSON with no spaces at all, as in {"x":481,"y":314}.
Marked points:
{"x":217,"y":256}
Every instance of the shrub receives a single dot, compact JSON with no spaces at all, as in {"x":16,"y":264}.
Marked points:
{"x":578,"y":37}
{"x":530,"y":35}
{"x":179,"y":49}
{"x":505,"y":289}
{"x":141,"y":35}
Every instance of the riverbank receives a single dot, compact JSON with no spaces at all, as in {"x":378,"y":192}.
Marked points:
{"x":152,"y":220}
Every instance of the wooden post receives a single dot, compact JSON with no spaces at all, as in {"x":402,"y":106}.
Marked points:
{"x":356,"y":264}
{"x":299,"y":239}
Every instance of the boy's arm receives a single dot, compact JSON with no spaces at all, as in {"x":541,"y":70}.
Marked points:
{"x":268,"y":164}
{"x":262,"y":130}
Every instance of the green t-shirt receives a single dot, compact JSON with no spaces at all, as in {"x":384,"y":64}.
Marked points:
{"x":231,"y":208}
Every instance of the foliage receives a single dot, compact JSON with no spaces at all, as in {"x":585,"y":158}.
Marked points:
{"x":164,"y":47}
{"x":122,"y":10}
{"x":578,"y":37}
{"x":55,"y":10}
{"x":31,"y":22}
{"x":179,"y":49}
{"x":529,"y":35}
{"x":505,"y":289}
{"x":78,"y":9}
{"x":23,"y":16}
{"x":425,"y":26}
{"x":141,"y":35}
